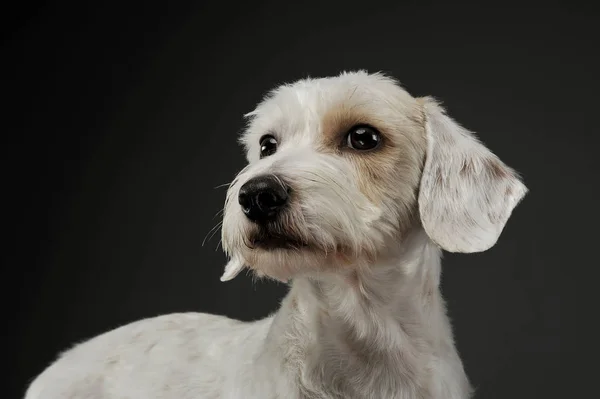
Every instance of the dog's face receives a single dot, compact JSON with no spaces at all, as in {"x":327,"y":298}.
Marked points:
{"x":342,"y":168}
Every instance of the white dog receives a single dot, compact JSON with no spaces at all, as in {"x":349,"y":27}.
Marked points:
{"x":353,"y":188}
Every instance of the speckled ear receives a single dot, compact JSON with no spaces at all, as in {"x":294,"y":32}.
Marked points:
{"x":467,"y":193}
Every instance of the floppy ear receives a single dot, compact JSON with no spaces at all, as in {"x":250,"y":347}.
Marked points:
{"x":467,"y":193}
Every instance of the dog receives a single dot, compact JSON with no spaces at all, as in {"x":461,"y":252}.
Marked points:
{"x":352,"y":190}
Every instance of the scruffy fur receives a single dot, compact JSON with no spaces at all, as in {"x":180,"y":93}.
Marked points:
{"x":364,"y":317}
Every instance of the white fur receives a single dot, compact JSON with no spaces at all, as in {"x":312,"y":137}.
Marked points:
{"x":364,"y":317}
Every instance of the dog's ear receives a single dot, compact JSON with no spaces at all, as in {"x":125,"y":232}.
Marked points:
{"x":467,"y":193}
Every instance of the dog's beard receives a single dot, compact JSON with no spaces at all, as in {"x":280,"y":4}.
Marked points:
{"x":282,"y":254}
{"x":278,"y":251}
{"x":296,"y":244}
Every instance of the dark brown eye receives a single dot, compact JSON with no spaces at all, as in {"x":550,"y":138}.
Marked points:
{"x":363,"y":138}
{"x":268,"y":145}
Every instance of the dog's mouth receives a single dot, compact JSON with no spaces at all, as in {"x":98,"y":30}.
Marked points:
{"x":268,"y":241}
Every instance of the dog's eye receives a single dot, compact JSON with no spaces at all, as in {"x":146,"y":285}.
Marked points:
{"x":268,"y":145}
{"x":363,"y":138}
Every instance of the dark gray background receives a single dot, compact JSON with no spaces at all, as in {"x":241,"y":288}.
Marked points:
{"x":121,"y":119}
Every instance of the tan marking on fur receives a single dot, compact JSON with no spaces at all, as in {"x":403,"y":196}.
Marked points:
{"x":343,"y":256}
{"x":467,"y":168}
{"x":391,"y":171}
{"x":496,"y":169}
{"x":336,"y":123}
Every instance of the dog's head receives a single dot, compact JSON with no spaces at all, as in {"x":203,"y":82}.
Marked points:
{"x":340,"y":169}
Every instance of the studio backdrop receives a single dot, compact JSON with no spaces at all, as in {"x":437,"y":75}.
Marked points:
{"x":121,"y":133}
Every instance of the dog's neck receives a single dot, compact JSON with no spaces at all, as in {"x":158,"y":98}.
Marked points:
{"x":371,"y":328}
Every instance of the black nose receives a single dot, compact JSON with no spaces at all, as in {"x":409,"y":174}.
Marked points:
{"x":262,"y":197}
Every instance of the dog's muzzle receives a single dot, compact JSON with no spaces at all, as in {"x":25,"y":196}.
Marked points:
{"x":263,"y":197}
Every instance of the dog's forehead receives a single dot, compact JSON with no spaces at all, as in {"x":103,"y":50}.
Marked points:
{"x":297,"y":110}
